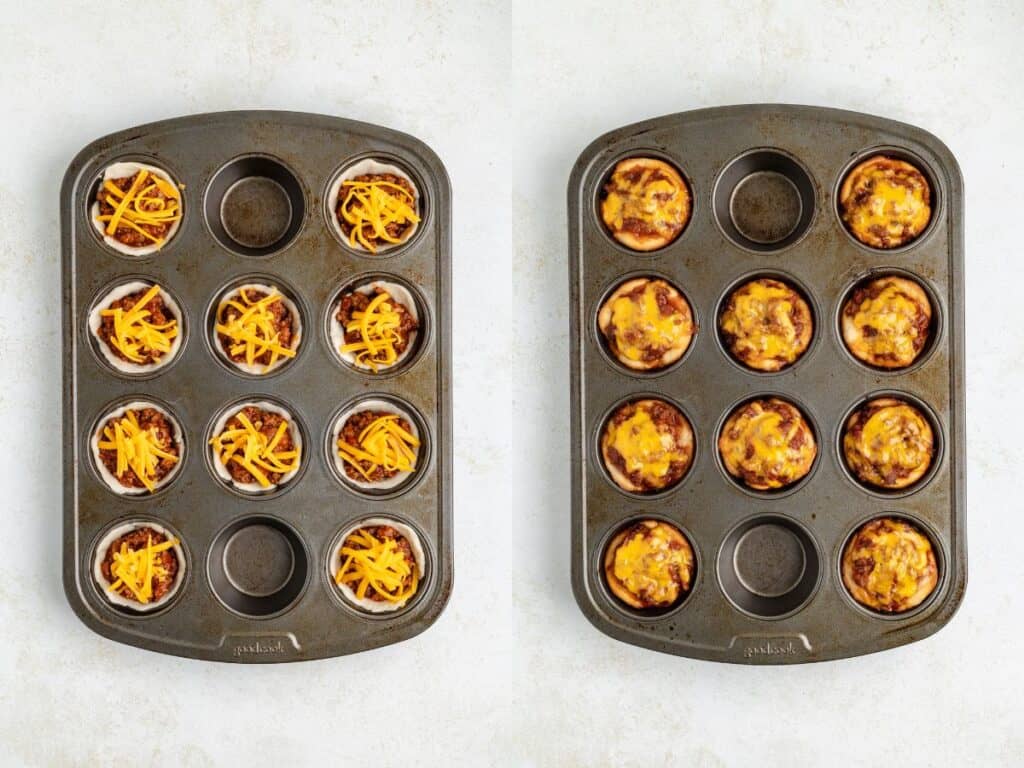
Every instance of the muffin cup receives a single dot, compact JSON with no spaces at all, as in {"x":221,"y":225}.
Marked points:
{"x":106,"y":475}
{"x":100,"y":555}
{"x":126,"y":366}
{"x":366,"y":604}
{"x":123,"y":170}
{"x":254,"y":489}
{"x":360,"y":168}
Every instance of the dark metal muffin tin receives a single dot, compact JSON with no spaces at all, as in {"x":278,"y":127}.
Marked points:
{"x":768,"y":588}
{"x":257,"y":587}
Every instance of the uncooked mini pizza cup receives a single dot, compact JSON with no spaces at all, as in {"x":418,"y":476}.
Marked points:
{"x":374,"y":206}
{"x":343,"y":571}
{"x":112,"y":571}
{"x":250,"y":311}
{"x":137,"y":338}
{"x":151,"y":216}
{"x":383,"y":445}
{"x":348,"y":340}
{"x":162,"y":435}
{"x":280,"y":458}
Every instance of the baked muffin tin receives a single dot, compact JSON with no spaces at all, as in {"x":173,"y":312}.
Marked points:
{"x":257,"y":587}
{"x":764,"y":180}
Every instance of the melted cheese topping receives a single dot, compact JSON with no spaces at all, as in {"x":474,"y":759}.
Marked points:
{"x":372,"y":562}
{"x":895,"y":440}
{"x":252,"y":330}
{"x":137,"y":449}
{"x":763,"y":449}
{"x":892,"y":315}
{"x":760,"y":320}
{"x":638,"y":324}
{"x":247,"y":446}
{"x":902,"y":559}
{"x":134,"y":334}
{"x":657,"y":199}
{"x":897,"y":206}
{"x":370,"y":206}
{"x":383,"y":443}
{"x":645,"y":447}
{"x":650,"y":568}
{"x":137,"y":568}
{"x":378,"y":331}
{"x":140,"y":205}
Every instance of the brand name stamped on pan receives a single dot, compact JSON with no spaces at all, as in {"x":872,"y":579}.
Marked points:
{"x":771,"y":648}
{"x":258,"y":648}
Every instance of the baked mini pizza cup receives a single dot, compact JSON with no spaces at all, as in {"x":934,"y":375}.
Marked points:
{"x":889,"y":565}
{"x":137,"y":208}
{"x":137,"y":327}
{"x":257,"y":328}
{"x":885,"y":202}
{"x":888,"y":443}
{"x":256,"y":447}
{"x":139,"y":565}
{"x":645,"y":203}
{"x":649,"y":564}
{"x":375,"y":445}
{"x":375,"y":326}
{"x":374,"y":206}
{"x":377,"y":565}
{"x":767,"y":444}
{"x":766,"y":324}
{"x":137,"y":448}
{"x":647,"y":324}
{"x":886,"y":322}
{"x":647,"y":446}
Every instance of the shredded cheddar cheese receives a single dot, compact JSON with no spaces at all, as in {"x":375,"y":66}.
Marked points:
{"x":383,"y":443}
{"x":150,"y":200}
{"x":370,"y":206}
{"x":136,"y":569}
{"x":134,"y":335}
{"x":138,"y":449}
{"x":372,"y":562}
{"x":378,"y":328}
{"x":250,"y":448}
{"x":251,"y":328}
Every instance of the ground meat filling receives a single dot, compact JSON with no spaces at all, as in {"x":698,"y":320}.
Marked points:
{"x":281,"y":318}
{"x":356,"y":301}
{"x":265,"y":422}
{"x":127,"y":235}
{"x":388,"y":533}
{"x":137,"y":540}
{"x":150,"y":419}
{"x":159,"y":314}
{"x":350,"y":432}
{"x":671,"y":457}
{"x":396,"y":229}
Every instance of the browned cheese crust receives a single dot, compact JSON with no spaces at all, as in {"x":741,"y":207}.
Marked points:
{"x":645,"y":203}
{"x":889,"y":566}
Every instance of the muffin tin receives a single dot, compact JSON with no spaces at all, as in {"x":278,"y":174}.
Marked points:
{"x":256,"y":585}
{"x":764,"y":180}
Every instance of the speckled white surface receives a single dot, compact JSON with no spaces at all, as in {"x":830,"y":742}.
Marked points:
{"x":512,"y":674}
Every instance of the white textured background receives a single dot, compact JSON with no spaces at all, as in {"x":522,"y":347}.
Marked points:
{"x":511,"y":674}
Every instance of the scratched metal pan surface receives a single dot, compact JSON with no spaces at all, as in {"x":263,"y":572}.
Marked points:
{"x":800,"y":533}
{"x":257,"y":586}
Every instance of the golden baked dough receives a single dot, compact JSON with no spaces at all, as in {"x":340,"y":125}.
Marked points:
{"x":646,"y":203}
{"x":647,"y":446}
{"x":886,"y":322}
{"x":647,"y":323}
{"x":885,"y":202}
{"x":767,"y":444}
{"x":649,"y":565}
{"x":888,"y":443}
{"x":766,"y":324}
{"x":889,"y":566}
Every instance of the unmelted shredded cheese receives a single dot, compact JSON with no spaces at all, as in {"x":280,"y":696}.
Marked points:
{"x":372,"y":562}
{"x":134,"y":334}
{"x":250,"y":448}
{"x":141,"y":205}
{"x":136,"y":569}
{"x":383,"y":443}
{"x":370,"y":206}
{"x":640,"y":324}
{"x":251,"y":330}
{"x":137,"y":449}
{"x":378,"y":327}
{"x":644,"y":447}
{"x":645,"y":562}
{"x":892,"y":315}
{"x":761,"y":320}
